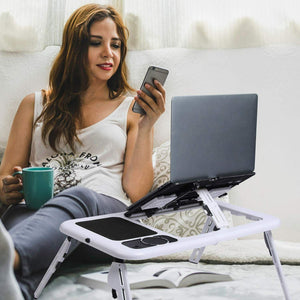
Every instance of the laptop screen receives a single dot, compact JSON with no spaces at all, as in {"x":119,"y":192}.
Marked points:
{"x":212,"y":136}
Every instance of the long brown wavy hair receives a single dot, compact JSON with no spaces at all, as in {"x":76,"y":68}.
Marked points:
{"x":69,"y":75}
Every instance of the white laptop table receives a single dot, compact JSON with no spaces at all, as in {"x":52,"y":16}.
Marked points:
{"x":212,"y":150}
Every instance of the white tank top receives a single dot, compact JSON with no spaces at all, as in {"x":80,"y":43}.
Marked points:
{"x":98,"y":162}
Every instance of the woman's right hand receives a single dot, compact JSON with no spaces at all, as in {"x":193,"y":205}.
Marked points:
{"x":11,"y":187}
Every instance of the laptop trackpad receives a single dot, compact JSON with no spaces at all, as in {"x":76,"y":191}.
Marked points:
{"x":149,"y":241}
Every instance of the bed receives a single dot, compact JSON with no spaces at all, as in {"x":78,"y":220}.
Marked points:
{"x":246,"y":261}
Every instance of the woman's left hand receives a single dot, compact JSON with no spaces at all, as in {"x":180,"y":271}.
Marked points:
{"x":153,"y":108}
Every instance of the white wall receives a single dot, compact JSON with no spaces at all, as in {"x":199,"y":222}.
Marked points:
{"x":274,"y":74}
{"x":276,"y":187}
{"x":271,"y":72}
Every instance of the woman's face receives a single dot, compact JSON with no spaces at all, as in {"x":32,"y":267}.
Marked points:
{"x":104,"y":50}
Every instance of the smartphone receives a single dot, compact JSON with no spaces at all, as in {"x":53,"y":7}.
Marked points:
{"x":157,"y":73}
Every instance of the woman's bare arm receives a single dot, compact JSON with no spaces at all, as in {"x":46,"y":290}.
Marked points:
{"x":17,"y":151}
{"x":138,"y":168}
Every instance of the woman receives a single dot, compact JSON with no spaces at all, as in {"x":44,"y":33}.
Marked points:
{"x":82,"y":126}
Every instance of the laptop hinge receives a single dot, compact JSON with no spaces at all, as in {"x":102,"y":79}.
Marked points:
{"x":187,"y":200}
{"x":170,"y":202}
{"x":188,"y":197}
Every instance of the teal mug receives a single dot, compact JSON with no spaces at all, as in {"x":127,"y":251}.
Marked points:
{"x":37,"y":185}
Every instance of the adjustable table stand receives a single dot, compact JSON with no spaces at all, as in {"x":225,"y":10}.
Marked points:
{"x":215,"y":230}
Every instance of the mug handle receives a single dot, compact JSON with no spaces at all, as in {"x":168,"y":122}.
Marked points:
{"x":18,"y":173}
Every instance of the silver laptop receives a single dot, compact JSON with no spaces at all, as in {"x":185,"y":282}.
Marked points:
{"x":212,"y":136}
{"x":212,"y":144}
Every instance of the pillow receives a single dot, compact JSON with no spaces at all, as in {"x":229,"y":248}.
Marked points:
{"x":161,"y":164}
{"x":1,"y":153}
{"x":181,"y":223}
{"x":2,"y":206}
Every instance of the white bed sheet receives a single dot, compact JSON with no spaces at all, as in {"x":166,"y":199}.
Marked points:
{"x":247,"y":261}
{"x":250,"y":281}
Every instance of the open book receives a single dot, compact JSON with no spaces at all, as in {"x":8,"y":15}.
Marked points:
{"x":165,"y":278}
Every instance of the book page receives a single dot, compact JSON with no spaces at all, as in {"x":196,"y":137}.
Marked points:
{"x":165,"y":278}
{"x":183,"y":277}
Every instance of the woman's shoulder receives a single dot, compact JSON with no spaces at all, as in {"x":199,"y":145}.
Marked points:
{"x":28,"y":102}
{"x":125,"y":98}
{"x":29,"y":98}
{"x":125,"y":103}
{"x":33,"y":103}
{"x":26,"y":108}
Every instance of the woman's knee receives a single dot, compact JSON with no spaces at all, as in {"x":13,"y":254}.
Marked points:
{"x":76,"y":198}
{"x":80,"y":200}
{"x":76,"y":191}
